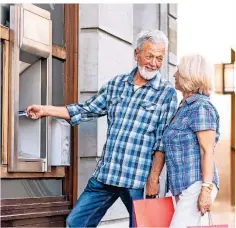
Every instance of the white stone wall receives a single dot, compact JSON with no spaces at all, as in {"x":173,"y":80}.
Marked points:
{"x":105,"y":50}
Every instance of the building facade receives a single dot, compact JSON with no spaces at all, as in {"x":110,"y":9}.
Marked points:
{"x":91,"y":43}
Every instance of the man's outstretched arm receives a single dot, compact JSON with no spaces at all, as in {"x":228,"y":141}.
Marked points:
{"x":93,"y":108}
{"x":37,"y":111}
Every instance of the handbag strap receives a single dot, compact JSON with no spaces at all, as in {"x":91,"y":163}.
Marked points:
{"x":144,"y":194}
{"x":154,"y":197}
{"x":210,"y":221}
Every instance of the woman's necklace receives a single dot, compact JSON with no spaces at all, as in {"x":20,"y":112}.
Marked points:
{"x":181,"y":103}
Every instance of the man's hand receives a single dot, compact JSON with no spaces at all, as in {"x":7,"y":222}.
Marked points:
{"x":35,"y":111}
{"x":204,"y":201}
{"x":152,"y":186}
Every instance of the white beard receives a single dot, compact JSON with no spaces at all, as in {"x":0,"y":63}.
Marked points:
{"x":147,"y":75}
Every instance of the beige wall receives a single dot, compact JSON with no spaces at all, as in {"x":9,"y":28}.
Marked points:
{"x":223,"y":105}
{"x":222,"y":209}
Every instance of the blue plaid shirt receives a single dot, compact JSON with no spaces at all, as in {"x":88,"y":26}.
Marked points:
{"x":182,"y":151}
{"x":136,"y":120}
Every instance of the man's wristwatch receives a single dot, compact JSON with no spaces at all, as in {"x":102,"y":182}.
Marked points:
{"x":207,"y":185}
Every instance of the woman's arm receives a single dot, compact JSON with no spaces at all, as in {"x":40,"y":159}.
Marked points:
{"x":206,"y":141}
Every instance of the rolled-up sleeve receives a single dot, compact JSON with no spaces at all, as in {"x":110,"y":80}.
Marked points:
{"x":168,"y":111}
{"x":93,"y":108}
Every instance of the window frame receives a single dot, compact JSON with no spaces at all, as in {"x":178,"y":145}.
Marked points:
{"x":57,"y":52}
{"x":69,"y":55}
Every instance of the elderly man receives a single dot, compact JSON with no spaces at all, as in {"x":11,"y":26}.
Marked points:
{"x":138,"y":106}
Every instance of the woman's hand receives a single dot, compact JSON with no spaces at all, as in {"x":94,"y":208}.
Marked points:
{"x":206,"y":141}
{"x":204,"y":201}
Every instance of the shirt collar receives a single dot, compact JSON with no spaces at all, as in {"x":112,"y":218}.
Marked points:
{"x":196,"y":97}
{"x":154,"y":82}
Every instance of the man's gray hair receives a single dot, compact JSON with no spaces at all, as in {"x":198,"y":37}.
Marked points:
{"x":155,"y":36}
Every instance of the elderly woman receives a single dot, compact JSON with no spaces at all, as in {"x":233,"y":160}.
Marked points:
{"x":189,"y":143}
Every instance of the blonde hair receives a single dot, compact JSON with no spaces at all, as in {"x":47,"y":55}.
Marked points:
{"x":195,"y":74}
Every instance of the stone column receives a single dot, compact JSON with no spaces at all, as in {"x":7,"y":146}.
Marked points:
{"x":105,"y":50}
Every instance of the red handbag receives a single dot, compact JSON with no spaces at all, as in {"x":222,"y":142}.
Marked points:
{"x":155,"y":212}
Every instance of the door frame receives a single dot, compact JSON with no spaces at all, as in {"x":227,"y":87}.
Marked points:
{"x":71,"y":20}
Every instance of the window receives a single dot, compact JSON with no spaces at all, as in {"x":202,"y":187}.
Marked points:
{"x":30,"y":82}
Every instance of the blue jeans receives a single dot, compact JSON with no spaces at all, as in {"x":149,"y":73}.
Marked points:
{"x":96,"y":199}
